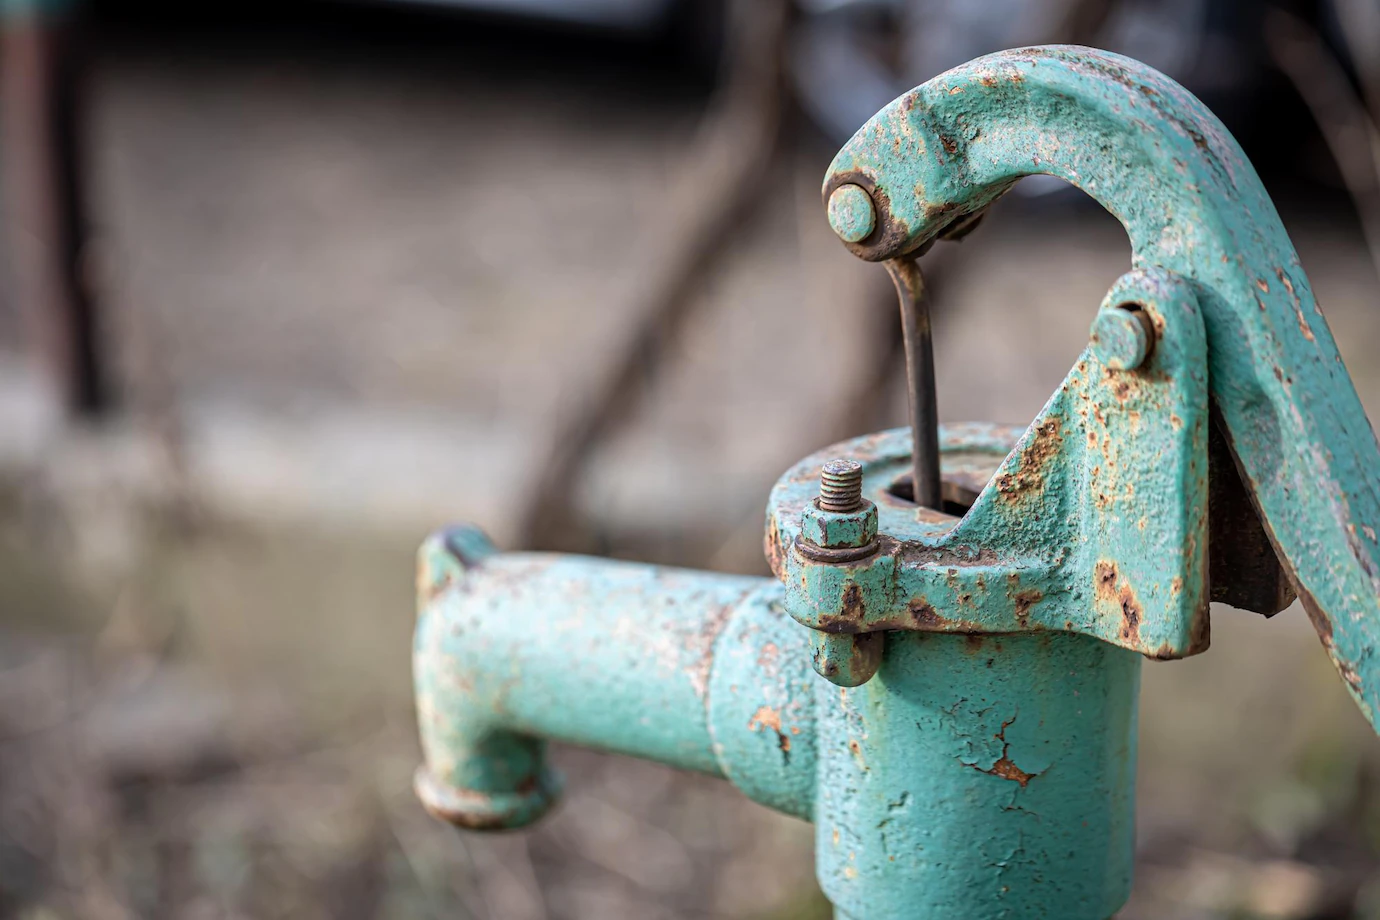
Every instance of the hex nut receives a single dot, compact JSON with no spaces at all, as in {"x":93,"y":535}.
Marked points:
{"x":839,"y":529}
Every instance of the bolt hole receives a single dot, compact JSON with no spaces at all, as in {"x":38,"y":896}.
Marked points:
{"x":955,"y":498}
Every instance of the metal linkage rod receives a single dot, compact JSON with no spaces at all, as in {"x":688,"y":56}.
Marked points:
{"x":920,"y":391}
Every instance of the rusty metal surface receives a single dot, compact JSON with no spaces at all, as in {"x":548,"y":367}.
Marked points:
{"x":981,"y":777}
{"x":972,"y":753}
{"x":969,"y":772}
{"x":1245,"y":572}
{"x":1096,"y":523}
{"x":920,"y":389}
{"x":1159,"y":161}
{"x":517,"y":648}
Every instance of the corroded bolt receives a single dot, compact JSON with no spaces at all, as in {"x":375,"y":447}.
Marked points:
{"x":840,"y":525}
{"x":839,"y":528}
{"x":846,"y":659}
{"x":851,"y":213}
{"x":840,"y":486}
{"x":1122,"y":337}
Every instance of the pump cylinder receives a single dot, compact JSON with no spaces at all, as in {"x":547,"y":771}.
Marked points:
{"x":980,"y":776}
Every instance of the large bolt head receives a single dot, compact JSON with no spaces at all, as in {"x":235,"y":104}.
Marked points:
{"x":1121,"y":337}
{"x":839,"y":529}
{"x":848,"y":660}
{"x":851,"y":213}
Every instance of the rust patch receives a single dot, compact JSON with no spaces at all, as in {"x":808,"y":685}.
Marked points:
{"x":890,"y":234}
{"x":935,"y":211}
{"x":1284,"y":280}
{"x":1119,"y":592}
{"x":1319,"y":619}
{"x":1025,"y":600}
{"x":1042,"y":448}
{"x":918,"y":615}
{"x":475,"y":810}
{"x":855,"y":749}
{"x":1005,"y":768}
{"x":853,"y":603}
{"x":768,"y":718}
{"x":1323,"y":625}
{"x":1105,"y":575}
{"x":776,"y":553}
{"x":923,"y":615}
{"x":1008,"y":770}
{"x":1130,"y":613}
{"x":1304,"y":328}
{"x":973,"y":642}
{"x":1202,"y":628}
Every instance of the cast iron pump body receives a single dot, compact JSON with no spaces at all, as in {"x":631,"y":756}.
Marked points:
{"x":950,"y":693}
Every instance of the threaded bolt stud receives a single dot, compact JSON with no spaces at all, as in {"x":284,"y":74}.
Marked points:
{"x":840,"y":486}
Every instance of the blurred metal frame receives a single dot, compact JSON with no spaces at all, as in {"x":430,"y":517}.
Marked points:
{"x":41,"y":69}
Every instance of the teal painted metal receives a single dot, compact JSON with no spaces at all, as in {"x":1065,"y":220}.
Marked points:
{"x":700,"y":671}
{"x":970,"y":774}
{"x":972,"y":750}
{"x":1159,"y":161}
{"x":1121,"y":337}
{"x":851,"y":213}
{"x":1096,"y":523}
{"x":981,"y":777}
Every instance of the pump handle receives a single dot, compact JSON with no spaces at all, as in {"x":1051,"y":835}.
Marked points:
{"x":1156,"y":158}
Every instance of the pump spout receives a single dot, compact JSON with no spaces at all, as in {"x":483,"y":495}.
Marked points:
{"x":697,"y":670}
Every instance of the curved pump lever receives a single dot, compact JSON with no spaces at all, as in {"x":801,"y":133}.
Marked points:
{"x":1159,"y":161}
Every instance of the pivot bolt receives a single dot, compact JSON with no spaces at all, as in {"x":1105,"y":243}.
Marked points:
{"x":1122,"y":337}
{"x":851,"y":213}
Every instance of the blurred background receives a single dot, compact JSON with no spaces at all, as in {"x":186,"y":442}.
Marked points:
{"x":289,"y":285}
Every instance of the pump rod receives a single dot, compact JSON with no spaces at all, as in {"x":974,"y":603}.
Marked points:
{"x":920,"y":391}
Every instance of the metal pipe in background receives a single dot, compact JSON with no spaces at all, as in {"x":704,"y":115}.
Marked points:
{"x":41,"y":82}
